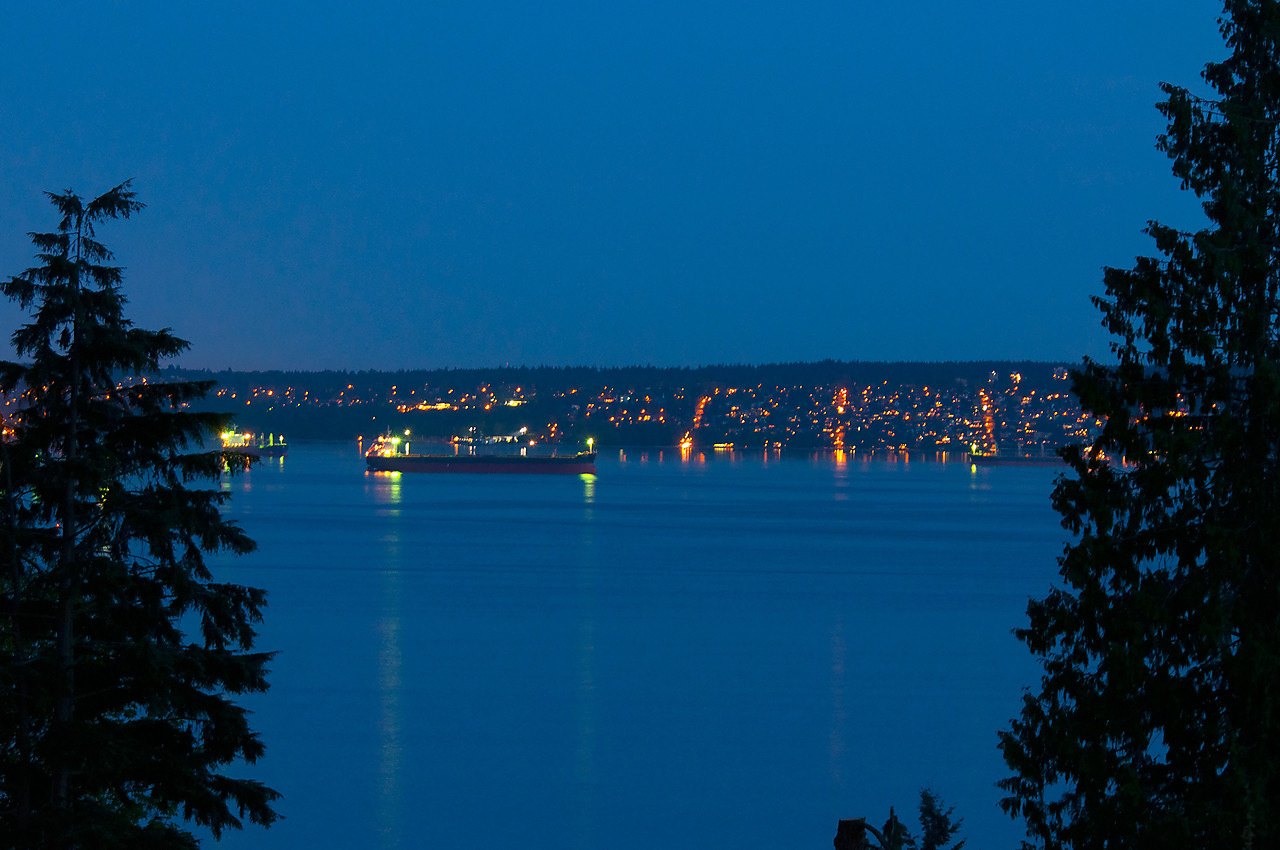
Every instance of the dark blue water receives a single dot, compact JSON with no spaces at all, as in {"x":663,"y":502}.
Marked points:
{"x":730,"y":652}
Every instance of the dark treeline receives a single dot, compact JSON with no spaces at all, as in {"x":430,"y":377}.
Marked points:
{"x":550,"y":379}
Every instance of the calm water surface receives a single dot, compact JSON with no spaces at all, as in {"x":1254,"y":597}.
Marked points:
{"x":733,"y":652}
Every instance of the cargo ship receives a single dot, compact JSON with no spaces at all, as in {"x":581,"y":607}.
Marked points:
{"x":391,"y":454}
{"x":247,"y":444}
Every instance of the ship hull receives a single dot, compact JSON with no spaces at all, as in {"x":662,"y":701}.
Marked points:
{"x":247,"y":444}
{"x":264,"y":451}
{"x":580,"y":464}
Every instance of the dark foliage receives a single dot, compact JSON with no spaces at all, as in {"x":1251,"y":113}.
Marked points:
{"x":553,"y":379}
{"x":937,"y":829}
{"x":1158,"y":719}
{"x":115,"y":722}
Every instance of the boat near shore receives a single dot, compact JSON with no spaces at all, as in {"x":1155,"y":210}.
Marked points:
{"x":391,"y":454}
{"x":255,"y":446}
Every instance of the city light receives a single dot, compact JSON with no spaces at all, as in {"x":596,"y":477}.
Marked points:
{"x":1026,"y":412}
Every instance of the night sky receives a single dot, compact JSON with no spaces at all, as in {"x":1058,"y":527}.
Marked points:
{"x":432,"y":184}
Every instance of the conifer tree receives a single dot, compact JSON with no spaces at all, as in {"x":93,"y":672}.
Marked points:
{"x":1157,"y":723}
{"x":116,"y":723}
{"x":938,"y":826}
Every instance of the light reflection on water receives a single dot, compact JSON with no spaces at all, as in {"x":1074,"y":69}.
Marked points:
{"x":838,"y":716}
{"x":390,"y":687}
{"x":389,"y":823}
{"x":585,"y":722}
{"x":681,"y":650}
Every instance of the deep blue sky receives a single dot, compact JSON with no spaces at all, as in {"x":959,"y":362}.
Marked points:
{"x":427,"y":184}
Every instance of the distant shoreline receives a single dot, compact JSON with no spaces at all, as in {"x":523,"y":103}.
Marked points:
{"x":1013,"y":407}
